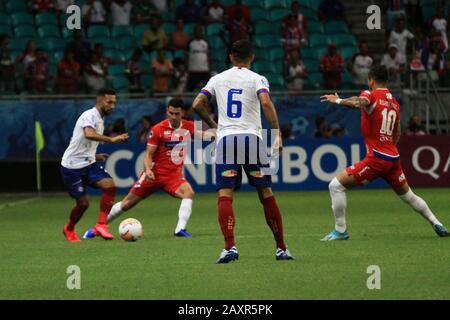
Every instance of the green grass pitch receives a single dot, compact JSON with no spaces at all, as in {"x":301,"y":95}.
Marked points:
{"x":414,"y":261}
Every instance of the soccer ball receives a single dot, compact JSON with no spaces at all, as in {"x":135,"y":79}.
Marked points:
{"x":130,"y":229}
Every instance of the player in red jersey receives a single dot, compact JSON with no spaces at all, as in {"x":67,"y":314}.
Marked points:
{"x":163,"y":167}
{"x":380,"y":126}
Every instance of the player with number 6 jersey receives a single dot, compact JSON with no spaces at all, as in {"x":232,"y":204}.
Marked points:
{"x":380,"y":126}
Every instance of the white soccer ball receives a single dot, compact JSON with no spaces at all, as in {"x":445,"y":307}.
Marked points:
{"x":130,"y":229}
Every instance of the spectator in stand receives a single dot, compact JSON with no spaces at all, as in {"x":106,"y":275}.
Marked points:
{"x":323,"y":130}
{"x":395,"y":10}
{"x":302,"y":21}
{"x":62,"y":5}
{"x":180,"y":38}
{"x":81,"y":48}
{"x":215,"y":12}
{"x":28,"y":56}
{"x":295,"y":72}
{"x":198,"y":61}
{"x":106,"y":61}
{"x":93,"y":12}
{"x":95,"y":74}
{"x":432,"y":57}
{"x":68,"y":74}
{"x":134,"y":72}
{"x":292,"y":36}
{"x":414,"y":127}
{"x":238,"y":28}
{"x":164,"y":5}
{"x":145,"y":129}
{"x":394,"y":63}
{"x":180,"y":76}
{"x":239,"y":6}
{"x":155,"y":38}
{"x":189,"y":12}
{"x":37,"y":73}
{"x":162,"y":72}
{"x":360,"y":63}
{"x":40,"y":6}
{"x":332,"y":66}
{"x":7,"y":66}
{"x":439,"y":23}
{"x":121,"y":12}
{"x":400,"y":36}
{"x":331,"y":10}
{"x":117,"y":128}
{"x":144,"y":11}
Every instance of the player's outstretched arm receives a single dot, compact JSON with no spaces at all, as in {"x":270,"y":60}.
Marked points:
{"x":148,"y":161}
{"x":352,"y":102}
{"x":200,"y":106}
{"x":91,"y":134}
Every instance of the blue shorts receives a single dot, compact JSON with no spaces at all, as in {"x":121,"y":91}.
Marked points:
{"x":77,"y":180}
{"x":237,"y":152}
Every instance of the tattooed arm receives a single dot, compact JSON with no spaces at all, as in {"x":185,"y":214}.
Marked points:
{"x":352,"y":102}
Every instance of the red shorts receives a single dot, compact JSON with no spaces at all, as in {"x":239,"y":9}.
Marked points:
{"x":168,"y":182}
{"x":371,"y":168}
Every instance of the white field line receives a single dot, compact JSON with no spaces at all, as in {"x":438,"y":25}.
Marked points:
{"x":16,"y":203}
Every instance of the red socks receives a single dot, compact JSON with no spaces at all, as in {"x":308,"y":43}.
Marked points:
{"x":226,"y":220}
{"x":75,"y":216}
{"x":274,"y":220}
{"x":106,"y":203}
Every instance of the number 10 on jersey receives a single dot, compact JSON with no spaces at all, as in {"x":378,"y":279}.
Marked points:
{"x":234,"y":107}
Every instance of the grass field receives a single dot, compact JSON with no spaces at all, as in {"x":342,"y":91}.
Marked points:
{"x":414,"y":261}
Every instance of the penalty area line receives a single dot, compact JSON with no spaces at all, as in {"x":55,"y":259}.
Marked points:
{"x":16,"y":203}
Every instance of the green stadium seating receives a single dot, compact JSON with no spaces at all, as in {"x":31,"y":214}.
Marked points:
{"x":321,"y":51}
{"x":335,"y":27}
{"x":57,"y":56}
{"x":4,"y":29}
{"x":310,"y":14}
{"x":22,"y":18}
{"x":120,"y":83}
{"x":347,"y":80}
{"x":215,"y":42}
{"x":116,"y":70}
{"x":344,"y":40}
{"x":182,"y":54}
{"x":348,"y":52}
{"x":254,"y":4}
{"x":268,"y":41}
{"x":43,"y":44}
{"x":272,"y":4}
{"x":24,"y":31}
{"x":312,"y":65}
{"x":45,"y":18}
{"x":265,"y":27}
{"x":316,"y":40}
{"x":214,"y":29}
{"x":264,"y":67}
{"x":56,"y":44}
{"x":276,"y":15}
{"x":276,"y":81}
{"x":259,"y":14}
{"x":276,"y":54}
{"x":167,"y":16}
{"x":170,"y":28}
{"x":98,"y":31}
{"x":154,"y":55}
{"x":139,"y":30}
{"x":428,"y":12}
{"x":127,"y":54}
{"x":315,"y":80}
{"x":48,"y":31}
{"x":12,"y":6}
{"x":315,"y":27}
{"x":5,"y":20}
{"x":189,"y":28}
{"x":114,"y":54}
{"x":220,"y":66}
{"x":18,"y":44}
{"x":107,"y":43}
{"x":122,"y":31}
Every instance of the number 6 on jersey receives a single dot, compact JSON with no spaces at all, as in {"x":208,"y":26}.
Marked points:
{"x":234,"y":107}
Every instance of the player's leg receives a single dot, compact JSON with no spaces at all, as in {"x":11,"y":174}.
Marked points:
{"x":275,"y":222}
{"x":81,"y":205}
{"x":398,"y":182}
{"x":186,"y":194}
{"x":227,"y":222}
{"x":130,"y":201}
{"x":106,"y":202}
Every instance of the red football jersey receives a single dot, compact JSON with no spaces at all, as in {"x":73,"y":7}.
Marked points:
{"x":378,"y":121}
{"x":170,"y":152}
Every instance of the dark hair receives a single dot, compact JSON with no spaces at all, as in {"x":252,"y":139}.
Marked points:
{"x":379,"y":74}
{"x":242,"y":50}
{"x":106,"y":91}
{"x":176,"y":103}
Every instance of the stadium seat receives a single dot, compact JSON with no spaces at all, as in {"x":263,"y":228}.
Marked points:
{"x":57,"y":56}
{"x":126,"y":43}
{"x":139,"y":30}
{"x":259,"y":14}
{"x":127,"y":54}
{"x":310,"y":14}
{"x":116,"y":70}
{"x":312,"y":65}
{"x":344,"y":40}
{"x":254,"y":4}
{"x":121,"y":31}
{"x":315,"y":27}
{"x":46,"y":18}
{"x":215,"y":42}
{"x":316,"y":40}
{"x":220,"y":66}
{"x":120,"y":83}
{"x":276,"y":15}
{"x":321,"y":51}
{"x":48,"y":31}
{"x":265,"y":27}
{"x":167,"y":16}
{"x":18,"y":44}
{"x":308,"y":53}
{"x":214,"y":29}
{"x":272,"y":4}
{"x":5,"y":20}
{"x":181,"y":54}
{"x":56,"y":44}
{"x":43,"y":44}
{"x":428,"y":12}
{"x":188,"y":28}
{"x":347,"y":80}
{"x":348,"y":52}
{"x":22,"y":18}
{"x":170,"y":28}
{"x":68,"y":34}
{"x":15,"y":6}
{"x":107,"y":43}
{"x":114,"y":54}
{"x":276,"y":81}
{"x":264,"y":67}
{"x":261,"y":54}
{"x":335,"y":27}
{"x":276,"y":54}
{"x":98,"y":31}
{"x":154,"y":55}
{"x":315,"y":80}
{"x":4,"y":29}
{"x":24,"y":31}
{"x":268,"y":41}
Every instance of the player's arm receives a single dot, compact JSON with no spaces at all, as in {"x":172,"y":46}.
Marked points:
{"x":397,"y":132}
{"x":148,"y":161}
{"x":91,"y":134}
{"x":205,"y":135}
{"x":271,"y":115}
{"x":352,"y":102}
{"x":200,"y":106}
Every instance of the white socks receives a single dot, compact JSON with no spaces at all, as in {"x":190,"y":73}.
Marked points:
{"x":116,"y":211}
{"x":183,"y":214}
{"x":338,"y":204}
{"x":418,"y":204}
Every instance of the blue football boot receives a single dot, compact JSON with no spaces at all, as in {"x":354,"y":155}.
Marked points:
{"x":281,"y":254}
{"x":441,"y":230}
{"x":336,"y":235}
{"x":228,"y":255}
{"x":89,"y":234}
{"x":183,"y":233}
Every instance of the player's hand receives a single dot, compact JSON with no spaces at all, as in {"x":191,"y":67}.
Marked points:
{"x":120,"y":138}
{"x":149,"y":175}
{"x":101,"y":156}
{"x":329,"y":98}
{"x":278,"y":144}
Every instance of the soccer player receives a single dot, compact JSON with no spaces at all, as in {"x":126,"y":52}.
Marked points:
{"x":240,"y":94}
{"x":163,"y":168}
{"x":380,"y":126}
{"x":79,"y":168}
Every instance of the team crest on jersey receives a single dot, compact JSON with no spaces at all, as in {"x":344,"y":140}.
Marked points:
{"x":229,"y":173}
